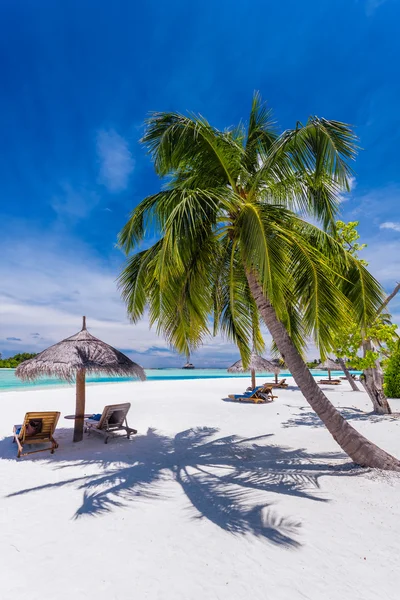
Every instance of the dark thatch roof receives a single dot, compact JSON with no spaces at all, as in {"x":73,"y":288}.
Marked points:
{"x":330,"y":365}
{"x":257,"y":363}
{"x":279,"y":365}
{"x":80,"y":351}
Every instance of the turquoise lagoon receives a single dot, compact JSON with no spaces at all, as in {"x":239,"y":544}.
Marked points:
{"x":9,"y":382}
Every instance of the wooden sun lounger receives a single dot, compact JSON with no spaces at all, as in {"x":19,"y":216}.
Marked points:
{"x":112,"y":420}
{"x":260,"y":395}
{"x":281,"y":384}
{"x":330,"y":381}
{"x":49,"y":424}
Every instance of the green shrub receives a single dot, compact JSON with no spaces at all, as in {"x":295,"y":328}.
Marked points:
{"x":392,"y":374}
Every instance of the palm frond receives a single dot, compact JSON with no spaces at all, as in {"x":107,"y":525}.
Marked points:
{"x":178,"y":143}
{"x":314,"y":160}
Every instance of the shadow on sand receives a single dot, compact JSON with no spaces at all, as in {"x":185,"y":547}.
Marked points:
{"x":224,"y":478}
{"x":310,"y":419}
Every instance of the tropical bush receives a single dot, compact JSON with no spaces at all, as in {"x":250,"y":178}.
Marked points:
{"x":392,"y":374}
{"x":13,"y":361}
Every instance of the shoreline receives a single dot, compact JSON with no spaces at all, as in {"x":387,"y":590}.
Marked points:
{"x":174,"y":375}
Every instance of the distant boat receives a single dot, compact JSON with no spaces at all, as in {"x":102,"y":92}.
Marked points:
{"x":188,"y":363}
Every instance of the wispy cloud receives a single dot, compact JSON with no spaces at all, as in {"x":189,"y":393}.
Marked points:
{"x":390,"y":225}
{"x":372,"y":5}
{"x":116,"y":161}
{"x":347,"y":195}
{"x":49,"y":289}
{"x":74,"y":203}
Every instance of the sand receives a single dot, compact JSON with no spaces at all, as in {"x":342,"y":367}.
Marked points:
{"x":211,"y":500}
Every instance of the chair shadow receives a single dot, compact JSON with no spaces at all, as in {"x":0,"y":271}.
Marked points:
{"x":310,"y":419}
{"x":243,"y":402}
{"x":223,"y":478}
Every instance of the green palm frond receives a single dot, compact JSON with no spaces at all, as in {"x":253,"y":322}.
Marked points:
{"x":261,"y":134}
{"x":364,"y":292}
{"x":313,"y":159}
{"x":237,"y":316}
{"x":177,"y":143}
{"x":232,"y":204}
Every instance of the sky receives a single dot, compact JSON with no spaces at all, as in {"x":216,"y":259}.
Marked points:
{"x":78,"y":79}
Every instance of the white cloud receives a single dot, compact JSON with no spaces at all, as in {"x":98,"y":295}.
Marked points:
{"x":390,"y":225}
{"x":116,"y":162}
{"x":50,"y":281}
{"x":346,"y":195}
{"x":383,"y":261}
{"x":74,"y":203}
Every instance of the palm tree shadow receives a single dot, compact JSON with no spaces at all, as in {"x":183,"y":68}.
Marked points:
{"x":310,"y":419}
{"x":225,"y":479}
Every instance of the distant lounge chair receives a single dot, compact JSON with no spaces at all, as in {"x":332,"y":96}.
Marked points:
{"x":259,"y":395}
{"x":37,"y":428}
{"x":112,"y":420}
{"x":264,"y":388}
{"x":330,"y":381}
{"x":281,"y":384}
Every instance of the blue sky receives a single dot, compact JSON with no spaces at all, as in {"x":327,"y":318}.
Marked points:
{"x":79,"y":77}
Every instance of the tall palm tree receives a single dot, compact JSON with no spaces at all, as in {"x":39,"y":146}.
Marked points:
{"x":233,"y":244}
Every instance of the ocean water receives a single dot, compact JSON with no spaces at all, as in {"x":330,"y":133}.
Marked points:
{"x":9,"y":382}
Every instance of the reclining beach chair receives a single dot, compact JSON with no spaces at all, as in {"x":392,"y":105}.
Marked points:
{"x":281,"y":384}
{"x":37,"y":428}
{"x":112,"y":420}
{"x":330,"y":381}
{"x":259,"y":395}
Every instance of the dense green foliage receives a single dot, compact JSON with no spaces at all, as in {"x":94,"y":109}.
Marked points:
{"x":379,"y":330}
{"x":392,"y":374}
{"x":14,"y":361}
{"x":312,"y":364}
{"x":232,"y":204}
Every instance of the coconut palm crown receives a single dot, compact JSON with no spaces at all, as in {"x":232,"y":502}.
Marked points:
{"x":234,"y":243}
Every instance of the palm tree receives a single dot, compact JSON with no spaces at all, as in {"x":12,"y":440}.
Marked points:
{"x":233,"y":243}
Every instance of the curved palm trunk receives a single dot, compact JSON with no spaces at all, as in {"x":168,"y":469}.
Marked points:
{"x":360,"y":450}
{"x":373,"y":384}
{"x":348,"y":375}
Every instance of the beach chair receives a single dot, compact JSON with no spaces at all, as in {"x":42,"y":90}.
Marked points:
{"x":330,"y":381}
{"x":37,"y":428}
{"x":112,"y":420}
{"x":281,"y":384}
{"x":259,"y":395}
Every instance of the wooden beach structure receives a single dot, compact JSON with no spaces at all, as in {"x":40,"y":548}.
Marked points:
{"x":256,"y":364}
{"x":74,"y":357}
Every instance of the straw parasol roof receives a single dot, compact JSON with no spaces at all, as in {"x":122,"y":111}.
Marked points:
{"x":329,"y":365}
{"x":80,"y":351}
{"x":256,"y":363}
{"x":74,"y":357}
{"x":279,"y":364}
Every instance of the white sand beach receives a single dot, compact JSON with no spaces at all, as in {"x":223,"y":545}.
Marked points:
{"x":211,"y":500}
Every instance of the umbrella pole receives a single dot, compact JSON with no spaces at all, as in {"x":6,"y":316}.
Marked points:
{"x":276,"y":377}
{"x":253,"y":379}
{"x":80,"y":405}
{"x":329,"y":374}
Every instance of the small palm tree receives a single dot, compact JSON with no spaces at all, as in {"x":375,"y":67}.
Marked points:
{"x":233,"y":244}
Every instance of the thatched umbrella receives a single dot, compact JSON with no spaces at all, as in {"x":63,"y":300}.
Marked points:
{"x":329,"y":365}
{"x":257,"y":363}
{"x":74,"y":357}
{"x":278,"y":364}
